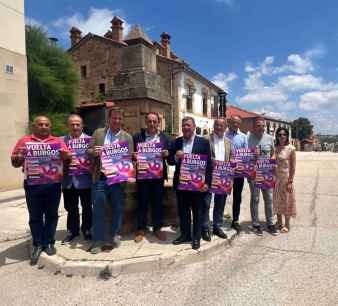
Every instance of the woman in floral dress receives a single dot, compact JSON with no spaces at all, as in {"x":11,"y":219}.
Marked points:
{"x":284,"y":202}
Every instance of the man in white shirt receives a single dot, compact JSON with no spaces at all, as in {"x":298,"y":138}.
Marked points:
{"x":220,"y":148}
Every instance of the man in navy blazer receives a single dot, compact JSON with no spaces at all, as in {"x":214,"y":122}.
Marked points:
{"x":190,"y":201}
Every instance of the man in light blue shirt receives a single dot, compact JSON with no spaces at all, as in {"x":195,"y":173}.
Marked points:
{"x":238,"y":141}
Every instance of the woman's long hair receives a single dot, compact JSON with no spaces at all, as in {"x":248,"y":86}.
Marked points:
{"x":277,"y":137}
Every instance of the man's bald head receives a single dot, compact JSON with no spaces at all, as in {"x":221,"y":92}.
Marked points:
{"x":235,"y":123}
{"x":41,"y":126}
{"x":75,"y":125}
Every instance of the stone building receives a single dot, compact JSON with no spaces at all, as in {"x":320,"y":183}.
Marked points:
{"x":13,"y":87}
{"x":139,"y":75}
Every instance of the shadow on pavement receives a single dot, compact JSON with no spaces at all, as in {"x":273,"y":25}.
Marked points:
{"x":14,"y":254}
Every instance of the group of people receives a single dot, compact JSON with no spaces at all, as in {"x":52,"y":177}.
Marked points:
{"x":99,"y":198}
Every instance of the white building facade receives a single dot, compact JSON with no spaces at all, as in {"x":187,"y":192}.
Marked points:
{"x":196,"y":97}
{"x":13,"y":87}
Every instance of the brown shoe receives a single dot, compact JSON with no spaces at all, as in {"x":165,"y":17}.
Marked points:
{"x":160,"y":235}
{"x":139,"y":236}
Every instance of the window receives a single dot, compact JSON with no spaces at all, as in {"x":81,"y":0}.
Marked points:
{"x":189,"y":99}
{"x":83,"y":72}
{"x":215,"y":107}
{"x":205,"y":105}
{"x":9,"y":69}
{"x":102,"y":89}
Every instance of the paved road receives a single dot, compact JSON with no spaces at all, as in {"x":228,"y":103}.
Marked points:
{"x":300,"y":268}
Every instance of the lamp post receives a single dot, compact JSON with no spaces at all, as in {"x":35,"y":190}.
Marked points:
{"x":222,"y":101}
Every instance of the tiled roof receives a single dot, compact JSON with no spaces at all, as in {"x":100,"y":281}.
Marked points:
{"x":236,"y":111}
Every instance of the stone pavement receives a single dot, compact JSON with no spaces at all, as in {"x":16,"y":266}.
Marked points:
{"x":73,"y":259}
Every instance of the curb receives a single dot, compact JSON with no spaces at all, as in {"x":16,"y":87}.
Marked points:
{"x":109,"y":268}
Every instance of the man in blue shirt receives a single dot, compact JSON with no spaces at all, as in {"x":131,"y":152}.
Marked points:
{"x":75,"y":187}
{"x":238,"y":141}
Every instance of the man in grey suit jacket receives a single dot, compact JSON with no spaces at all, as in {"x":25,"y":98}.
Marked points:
{"x":220,"y":148}
{"x":75,"y":188}
{"x":104,"y":195}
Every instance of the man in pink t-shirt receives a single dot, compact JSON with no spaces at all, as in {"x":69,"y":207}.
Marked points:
{"x":40,"y":154}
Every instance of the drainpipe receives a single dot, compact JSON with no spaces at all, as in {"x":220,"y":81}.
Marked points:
{"x":172,"y":78}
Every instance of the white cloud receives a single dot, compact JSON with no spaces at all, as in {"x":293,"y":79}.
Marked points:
{"x":314,"y":100}
{"x":97,"y":21}
{"x":324,"y":122}
{"x":264,"y":95}
{"x":273,"y":114}
{"x":33,"y":22}
{"x":221,"y":80}
{"x":299,"y":82}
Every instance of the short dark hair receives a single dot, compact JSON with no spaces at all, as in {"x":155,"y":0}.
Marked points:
{"x":287,"y":135}
{"x":186,"y":118}
{"x":153,"y":113}
{"x":115,"y":110}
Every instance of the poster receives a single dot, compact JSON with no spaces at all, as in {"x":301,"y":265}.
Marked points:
{"x":245,"y":162}
{"x":43,"y":163}
{"x":192,"y":173}
{"x":78,"y":147}
{"x":265,"y":178}
{"x":149,"y":160}
{"x":116,"y":163}
{"x":222,"y":177}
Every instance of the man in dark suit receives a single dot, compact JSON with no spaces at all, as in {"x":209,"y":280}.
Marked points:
{"x":190,"y":201}
{"x":151,"y":190}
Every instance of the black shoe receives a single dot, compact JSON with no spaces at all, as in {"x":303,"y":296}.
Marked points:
{"x":206,"y":235}
{"x":272,"y":230}
{"x":181,"y":240}
{"x":50,"y":249}
{"x":235,"y":225}
{"x":87,"y":235}
{"x":219,"y":232}
{"x":257,"y":230}
{"x":69,"y":237}
{"x":36,"y":252}
{"x":195,"y":244}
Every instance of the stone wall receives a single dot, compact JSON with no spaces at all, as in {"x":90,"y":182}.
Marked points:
{"x":103,"y":60}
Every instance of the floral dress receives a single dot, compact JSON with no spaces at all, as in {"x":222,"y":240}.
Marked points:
{"x":284,"y":202}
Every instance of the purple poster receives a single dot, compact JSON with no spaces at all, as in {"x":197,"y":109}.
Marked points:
{"x":222,"y":177}
{"x":43,"y":163}
{"x":81,"y":162}
{"x":265,"y":178}
{"x":192,"y":174}
{"x":149,"y":160}
{"x":245,"y":162}
{"x":116,"y":163}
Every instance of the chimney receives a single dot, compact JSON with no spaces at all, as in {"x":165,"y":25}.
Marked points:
{"x":165,"y":41}
{"x":75,"y":36}
{"x":117,"y":29}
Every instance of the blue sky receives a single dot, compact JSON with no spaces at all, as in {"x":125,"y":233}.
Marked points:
{"x":277,"y":57}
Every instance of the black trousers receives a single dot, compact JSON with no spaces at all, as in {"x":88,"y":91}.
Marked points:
{"x":150,"y":192}
{"x":237,"y":197}
{"x":71,"y":203}
{"x":43,"y":204}
{"x":190,"y":203}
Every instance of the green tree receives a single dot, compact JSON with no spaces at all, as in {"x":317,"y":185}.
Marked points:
{"x":301,"y":128}
{"x":52,"y":77}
